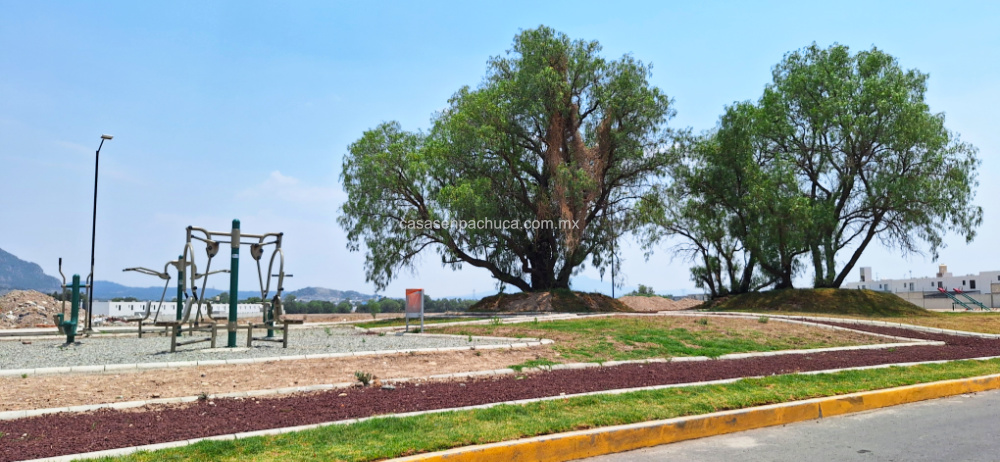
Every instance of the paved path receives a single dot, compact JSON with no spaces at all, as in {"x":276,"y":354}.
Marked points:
{"x":960,"y":428}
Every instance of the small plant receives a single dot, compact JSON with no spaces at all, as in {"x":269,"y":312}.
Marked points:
{"x":763,"y":319}
{"x":24,"y":376}
{"x":203,"y":396}
{"x":535,"y":322}
{"x":702,"y":321}
{"x":329,"y":332}
{"x":470,"y":337}
{"x":381,"y":334}
{"x":479,"y":353}
{"x":364,"y":377}
{"x":495,"y":321}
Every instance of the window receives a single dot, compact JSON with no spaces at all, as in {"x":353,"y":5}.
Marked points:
{"x":863,"y":278}
{"x":972,"y":284}
{"x":963,"y":282}
{"x":940,"y":285}
{"x":911,"y":287}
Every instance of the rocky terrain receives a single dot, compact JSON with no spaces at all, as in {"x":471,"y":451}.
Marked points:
{"x":28,"y":308}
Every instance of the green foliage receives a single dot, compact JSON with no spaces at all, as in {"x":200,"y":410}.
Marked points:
{"x":612,"y":339}
{"x":642,"y":291}
{"x":124,"y":299}
{"x":763,"y":319}
{"x":374,"y":307}
{"x":840,"y":150}
{"x":364,"y":377}
{"x":555,"y":134}
{"x":533,"y":363}
{"x":224,"y":298}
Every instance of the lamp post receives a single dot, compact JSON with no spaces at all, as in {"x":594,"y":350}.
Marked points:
{"x":93,"y":238}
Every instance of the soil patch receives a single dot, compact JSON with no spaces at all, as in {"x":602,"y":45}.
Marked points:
{"x":564,"y":301}
{"x":59,"y":434}
{"x":834,"y":301}
{"x":629,"y":337}
{"x":656,"y":303}
{"x":29,"y":308}
{"x":36,"y":392}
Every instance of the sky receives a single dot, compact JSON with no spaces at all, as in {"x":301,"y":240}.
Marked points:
{"x":242,"y":109}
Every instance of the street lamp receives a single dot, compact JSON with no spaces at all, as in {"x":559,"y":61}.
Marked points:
{"x":93,"y":237}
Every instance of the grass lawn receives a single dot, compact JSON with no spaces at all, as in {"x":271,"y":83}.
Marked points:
{"x":987,"y":322}
{"x":625,"y":338}
{"x":390,"y":437}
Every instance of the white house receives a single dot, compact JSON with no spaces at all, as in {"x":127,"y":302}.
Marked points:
{"x":985,"y":282}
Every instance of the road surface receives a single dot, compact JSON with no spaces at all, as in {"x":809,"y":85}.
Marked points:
{"x":959,"y":428}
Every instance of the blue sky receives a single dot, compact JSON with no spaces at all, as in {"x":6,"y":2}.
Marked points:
{"x":225,"y":110}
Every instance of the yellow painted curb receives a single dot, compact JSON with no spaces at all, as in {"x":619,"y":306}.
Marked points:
{"x":609,"y":440}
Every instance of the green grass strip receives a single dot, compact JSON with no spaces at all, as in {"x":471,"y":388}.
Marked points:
{"x":394,"y":437}
{"x":615,"y":338}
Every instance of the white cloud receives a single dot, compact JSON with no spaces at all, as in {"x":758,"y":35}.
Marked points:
{"x":290,"y":189}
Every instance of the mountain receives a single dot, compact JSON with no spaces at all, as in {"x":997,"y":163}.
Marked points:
{"x":17,"y":274}
{"x":106,"y":290}
{"x":308,"y":294}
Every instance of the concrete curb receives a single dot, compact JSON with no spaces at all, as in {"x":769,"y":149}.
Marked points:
{"x":932,"y":330}
{"x":609,"y":440}
{"x":116,"y":368}
{"x":19,"y":414}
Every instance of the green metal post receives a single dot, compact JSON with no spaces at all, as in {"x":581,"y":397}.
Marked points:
{"x":269,"y":318}
{"x":180,"y":290}
{"x":234,"y":277}
{"x":70,"y":326}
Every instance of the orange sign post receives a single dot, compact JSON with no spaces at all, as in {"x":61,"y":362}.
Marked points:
{"x":414,"y":307}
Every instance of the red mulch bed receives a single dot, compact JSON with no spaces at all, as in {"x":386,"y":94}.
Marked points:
{"x":70,"y":433}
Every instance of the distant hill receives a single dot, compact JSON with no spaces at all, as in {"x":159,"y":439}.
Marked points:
{"x":17,"y":274}
{"x":308,"y":294}
{"x":106,"y":290}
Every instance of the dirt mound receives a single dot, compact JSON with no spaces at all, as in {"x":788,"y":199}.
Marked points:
{"x":27,"y":308}
{"x":834,"y":301}
{"x":564,"y":301}
{"x":651,"y":304}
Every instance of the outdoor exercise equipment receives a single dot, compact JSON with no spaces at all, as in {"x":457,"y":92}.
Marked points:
{"x":271,"y":307}
{"x":164,"y":275}
{"x":69,"y":327}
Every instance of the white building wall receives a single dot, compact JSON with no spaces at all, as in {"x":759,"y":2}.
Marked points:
{"x":982,"y":282}
{"x":169,"y":309}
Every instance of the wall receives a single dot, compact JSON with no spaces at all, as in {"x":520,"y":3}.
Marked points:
{"x":944,"y":303}
{"x":169,"y":309}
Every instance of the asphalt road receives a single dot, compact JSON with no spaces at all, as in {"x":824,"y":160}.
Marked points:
{"x":960,"y":428}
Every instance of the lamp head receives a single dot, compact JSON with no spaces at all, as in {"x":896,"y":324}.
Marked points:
{"x":106,"y":137}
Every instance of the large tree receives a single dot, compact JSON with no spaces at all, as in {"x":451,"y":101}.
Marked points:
{"x":840,"y":150}
{"x":552,"y":148}
{"x":870,"y":157}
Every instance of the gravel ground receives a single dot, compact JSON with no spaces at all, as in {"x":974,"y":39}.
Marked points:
{"x":69,"y":433}
{"x":153,"y":349}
